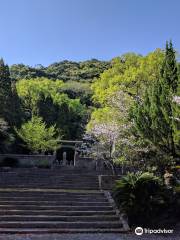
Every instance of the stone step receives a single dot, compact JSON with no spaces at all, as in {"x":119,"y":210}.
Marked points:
{"x":59,"y":224}
{"x":20,"y":172}
{"x":50,"y":173}
{"x":48,"y":185}
{"x":57,"y":230}
{"x":56,"y":212}
{"x":59,"y":208}
{"x":52,"y":178}
{"x":102,"y":218}
{"x":44,"y":176}
{"x":58,"y":198}
{"x":52,"y":203}
{"x":53,"y":187}
{"x":59,"y":172}
{"x":49,"y":192}
{"x":53,"y":196}
{"x":75,"y":181}
{"x":47,"y":170}
{"x":21,"y":181}
{"x":47,"y":179}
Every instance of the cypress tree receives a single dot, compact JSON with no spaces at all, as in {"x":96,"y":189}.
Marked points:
{"x":10,"y":108}
{"x":5,"y":90}
{"x":154,"y":117}
{"x":168,"y":87}
{"x":169,"y":70}
{"x":4,"y":74}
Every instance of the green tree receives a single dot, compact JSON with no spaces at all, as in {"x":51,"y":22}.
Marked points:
{"x":81,"y":90}
{"x":5,"y":90}
{"x":69,"y":115}
{"x":130,"y":73}
{"x":169,"y":70}
{"x":38,"y":136}
{"x":40,"y":94}
{"x":21,"y":71}
{"x":154,"y":117}
{"x":6,"y":138}
{"x":10,"y":107}
{"x":32,"y":90}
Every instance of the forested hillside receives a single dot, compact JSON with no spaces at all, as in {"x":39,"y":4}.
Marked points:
{"x":65,"y":70}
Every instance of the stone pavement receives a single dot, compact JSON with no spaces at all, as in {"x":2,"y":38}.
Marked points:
{"x":97,"y":236}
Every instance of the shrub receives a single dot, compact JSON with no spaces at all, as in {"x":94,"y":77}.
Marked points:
{"x":140,"y":196}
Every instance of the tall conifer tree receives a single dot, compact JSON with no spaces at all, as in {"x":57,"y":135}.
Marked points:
{"x":154,"y":117}
{"x":5,"y":90}
{"x":10,"y":109}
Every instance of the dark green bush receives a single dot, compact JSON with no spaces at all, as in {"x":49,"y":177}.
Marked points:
{"x":141,"y":196}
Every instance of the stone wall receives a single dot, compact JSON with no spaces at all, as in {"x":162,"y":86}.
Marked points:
{"x":85,"y":162}
{"x":107,"y":182}
{"x":30,"y":160}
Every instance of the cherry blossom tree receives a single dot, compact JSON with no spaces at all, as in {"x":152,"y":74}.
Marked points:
{"x":108,"y":134}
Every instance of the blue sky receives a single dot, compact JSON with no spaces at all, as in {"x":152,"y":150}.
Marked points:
{"x":46,"y":31}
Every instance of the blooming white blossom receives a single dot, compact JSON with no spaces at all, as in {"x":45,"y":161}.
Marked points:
{"x":107,"y":131}
{"x":176,"y":99}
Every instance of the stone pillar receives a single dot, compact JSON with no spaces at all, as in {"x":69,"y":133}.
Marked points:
{"x":64,"y":159}
{"x":75,"y":157}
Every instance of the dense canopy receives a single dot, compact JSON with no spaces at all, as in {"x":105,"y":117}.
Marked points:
{"x":121,"y":103}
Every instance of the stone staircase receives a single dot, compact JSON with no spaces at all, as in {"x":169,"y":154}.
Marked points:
{"x":55,"y":201}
